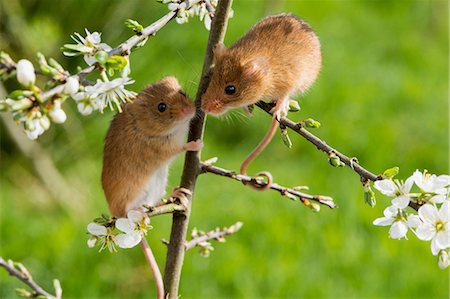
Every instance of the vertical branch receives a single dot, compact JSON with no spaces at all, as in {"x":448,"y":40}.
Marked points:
{"x":180,"y":221}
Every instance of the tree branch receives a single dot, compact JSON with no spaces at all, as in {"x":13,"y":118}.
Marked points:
{"x":19,"y":271}
{"x":291,"y":193}
{"x":216,"y":234}
{"x":321,"y":145}
{"x":175,"y":253}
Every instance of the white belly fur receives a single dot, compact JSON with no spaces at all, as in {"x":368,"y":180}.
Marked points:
{"x":154,"y":190}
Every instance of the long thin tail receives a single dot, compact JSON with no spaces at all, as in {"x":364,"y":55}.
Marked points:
{"x":255,"y":153}
{"x":154,"y":267}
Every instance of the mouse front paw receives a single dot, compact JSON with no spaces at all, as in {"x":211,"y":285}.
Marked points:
{"x":193,"y":146}
{"x":181,"y":194}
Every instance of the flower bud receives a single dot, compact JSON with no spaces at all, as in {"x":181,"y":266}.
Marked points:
{"x":390,"y":173}
{"x":101,"y":57}
{"x":58,"y":116}
{"x":285,"y":137}
{"x":44,"y":122}
{"x":72,"y":85}
{"x":25,"y":73}
{"x":335,"y":161}
{"x":92,"y":242}
{"x":294,"y":106}
{"x":20,"y":104}
{"x":444,"y":260}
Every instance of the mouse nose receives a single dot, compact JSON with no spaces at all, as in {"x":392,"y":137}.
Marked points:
{"x":188,"y":110}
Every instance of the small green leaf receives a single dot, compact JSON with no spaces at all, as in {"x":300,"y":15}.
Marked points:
{"x":294,"y":106}
{"x":335,"y":161}
{"x":311,"y":123}
{"x":369,"y":195}
{"x":285,"y":137}
{"x":390,"y":173}
{"x":134,"y":25}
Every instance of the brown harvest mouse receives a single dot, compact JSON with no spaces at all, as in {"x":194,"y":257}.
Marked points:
{"x":140,"y":144}
{"x":278,"y":58}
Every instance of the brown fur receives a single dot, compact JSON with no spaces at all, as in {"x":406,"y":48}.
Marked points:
{"x":279,"y":57}
{"x":141,"y":139}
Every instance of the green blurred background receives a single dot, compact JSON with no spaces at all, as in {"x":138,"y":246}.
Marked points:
{"x":382,"y":96}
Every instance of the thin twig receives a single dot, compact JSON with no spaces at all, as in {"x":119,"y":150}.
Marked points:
{"x":24,"y":275}
{"x":216,"y":234}
{"x":288,"y":192}
{"x":321,"y":145}
{"x":165,"y":209}
{"x":180,"y":221}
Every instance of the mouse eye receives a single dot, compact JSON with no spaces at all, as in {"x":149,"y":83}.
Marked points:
{"x":162,"y":107}
{"x":230,"y":89}
{"x":182,"y":93}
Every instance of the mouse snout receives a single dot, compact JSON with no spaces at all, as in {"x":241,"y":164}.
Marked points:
{"x":212,"y":106}
{"x":188,"y":110}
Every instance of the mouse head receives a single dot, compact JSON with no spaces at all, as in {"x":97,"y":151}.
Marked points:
{"x":235,"y":82}
{"x":162,"y":108}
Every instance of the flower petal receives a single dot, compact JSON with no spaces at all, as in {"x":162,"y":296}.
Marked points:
{"x":384,"y":221}
{"x":401,"y":202}
{"x":128,"y":240}
{"x":387,"y":187}
{"x":398,"y":230}
{"x":91,"y":242}
{"x":443,"y":239}
{"x":428,"y":213}
{"x":125,"y":225}
{"x":135,"y":215}
{"x":96,"y":229}
{"x":408,"y":185}
{"x":434,"y":247}
{"x":425,"y":232}
{"x":444,"y":212}
{"x":414,"y":221}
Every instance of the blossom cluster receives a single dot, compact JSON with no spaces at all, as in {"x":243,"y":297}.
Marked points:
{"x":432,"y":221}
{"x":36,"y":109}
{"x":123,"y":232}
{"x":203,"y":9}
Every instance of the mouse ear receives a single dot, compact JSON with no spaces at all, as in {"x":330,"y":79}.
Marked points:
{"x":219,"y":49}
{"x":254,"y":67}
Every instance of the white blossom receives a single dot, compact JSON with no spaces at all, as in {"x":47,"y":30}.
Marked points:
{"x":393,"y":216}
{"x":430,"y":183}
{"x":85,"y":103}
{"x":135,"y":226}
{"x":110,"y":93}
{"x":25,"y":72}
{"x":35,"y":123}
{"x":72,"y":85}
{"x":435,"y":226}
{"x":208,"y":22}
{"x":97,"y":231}
{"x":88,"y":46}
{"x":398,"y":190}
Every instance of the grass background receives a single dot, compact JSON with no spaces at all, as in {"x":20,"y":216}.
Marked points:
{"x":382,"y":96}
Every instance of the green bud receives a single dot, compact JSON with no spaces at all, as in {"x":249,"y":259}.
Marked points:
{"x":314,"y":207}
{"x":141,"y":43}
{"x":285,"y":137}
{"x":23,"y":293}
{"x":311,"y":123}
{"x":335,"y":161}
{"x":53,"y":63}
{"x":101,"y":57}
{"x":369,"y":195}
{"x":134,"y":25}
{"x":116,"y":62}
{"x":390,"y":173}
{"x":21,"y":104}
{"x":294,"y":106}
{"x":19,"y":94}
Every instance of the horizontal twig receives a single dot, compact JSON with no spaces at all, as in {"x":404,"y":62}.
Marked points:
{"x":165,"y":209}
{"x":321,"y":145}
{"x":285,"y":191}
{"x":24,"y":275}
{"x":216,"y":234}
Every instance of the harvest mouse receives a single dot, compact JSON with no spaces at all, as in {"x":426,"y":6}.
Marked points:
{"x":278,"y":58}
{"x":140,"y":144}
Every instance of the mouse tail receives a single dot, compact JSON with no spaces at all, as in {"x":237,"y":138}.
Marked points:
{"x":257,"y":151}
{"x":154,"y":268}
